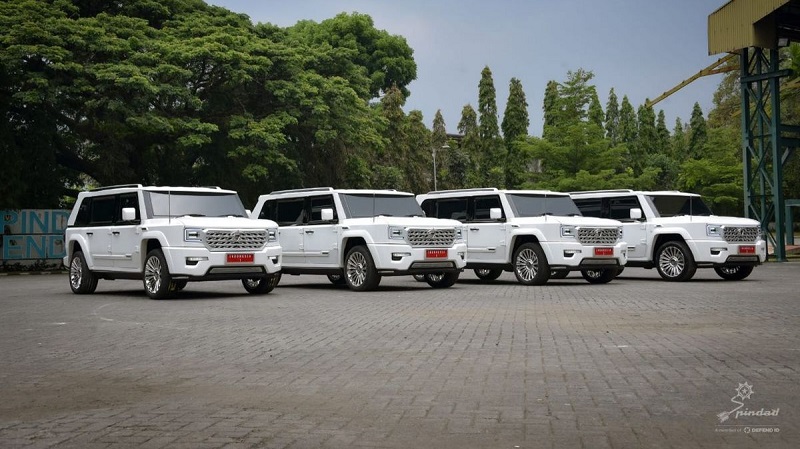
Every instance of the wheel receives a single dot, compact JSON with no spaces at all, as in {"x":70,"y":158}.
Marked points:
{"x":419,"y":277}
{"x":441,"y":280}
{"x":180,"y":285}
{"x":674,"y":262}
{"x":530,"y":264}
{"x":735,"y":273}
{"x":601,"y":276}
{"x":157,"y":281}
{"x":360,"y":272}
{"x":488,"y":274}
{"x":337,"y":279}
{"x":81,"y":278}
{"x":558,"y":274}
{"x":257,"y":286}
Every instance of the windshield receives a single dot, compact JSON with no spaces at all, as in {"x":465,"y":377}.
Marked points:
{"x":372,"y":205}
{"x":195,"y":204}
{"x":673,"y":205}
{"x":536,"y":205}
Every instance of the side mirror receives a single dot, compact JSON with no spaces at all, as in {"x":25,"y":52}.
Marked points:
{"x":327,"y":214}
{"x":495,"y":213}
{"x":128,"y":214}
{"x":636,"y":214}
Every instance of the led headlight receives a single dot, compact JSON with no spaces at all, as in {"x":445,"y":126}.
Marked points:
{"x":272,"y":235}
{"x":568,"y":231}
{"x":714,"y":230}
{"x":397,"y":232}
{"x":460,"y":234}
{"x":192,"y":235}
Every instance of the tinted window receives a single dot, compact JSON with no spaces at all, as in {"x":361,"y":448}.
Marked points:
{"x":672,"y":205}
{"x":590,"y":207}
{"x":290,"y":212}
{"x":128,"y":200}
{"x":102,"y":210}
{"x":268,"y":211}
{"x":83,"y":217}
{"x":484,"y":204}
{"x":536,"y":205}
{"x":620,"y":208}
{"x":453,"y":208}
{"x":371,"y":205}
{"x":321,"y":202}
{"x":198,"y":204}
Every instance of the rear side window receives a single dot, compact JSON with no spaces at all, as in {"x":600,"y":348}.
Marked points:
{"x":102,"y":212}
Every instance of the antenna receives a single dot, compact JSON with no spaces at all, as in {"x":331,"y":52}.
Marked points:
{"x":373,"y":207}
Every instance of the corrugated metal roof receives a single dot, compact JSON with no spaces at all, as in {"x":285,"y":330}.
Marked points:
{"x":742,"y":24}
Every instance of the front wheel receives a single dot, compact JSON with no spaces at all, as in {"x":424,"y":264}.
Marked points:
{"x":441,"y":280}
{"x":257,"y":286}
{"x":157,"y":280}
{"x":488,"y":274}
{"x":735,"y":273}
{"x":601,"y":276}
{"x":360,"y":272}
{"x":530,"y":264}
{"x":81,"y":278}
{"x":674,"y":261}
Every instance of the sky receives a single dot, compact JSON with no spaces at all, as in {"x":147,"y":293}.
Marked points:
{"x":640,"y":48}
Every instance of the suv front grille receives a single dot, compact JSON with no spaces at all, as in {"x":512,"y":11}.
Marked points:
{"x":431,"y":237}
{"x":599,"y":236}
{"x":739,"y":234}
{"x":222,"y":240}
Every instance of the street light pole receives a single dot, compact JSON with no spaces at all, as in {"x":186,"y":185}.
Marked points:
{"x":433,"y":153}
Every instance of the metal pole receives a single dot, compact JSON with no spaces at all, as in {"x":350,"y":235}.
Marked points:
{"x":433,"y":152}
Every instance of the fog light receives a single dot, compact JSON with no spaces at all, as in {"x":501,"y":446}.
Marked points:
{"x":571,"y":252}
{"x":275,"y":259}
{"x":462,"y":255}
{"x":195,"y":260}
{"x":717,"y":251}
{"x":399,"y":256}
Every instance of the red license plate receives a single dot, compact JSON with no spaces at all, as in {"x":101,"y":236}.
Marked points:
{"x":241,"y":258}
{"x":435,"y":253}
{"x":747,"y":249}
{"x":604,"y":251}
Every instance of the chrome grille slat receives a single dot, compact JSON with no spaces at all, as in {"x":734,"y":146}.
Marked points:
{"x":740,"y":234}
{"x":599,"y":236}
{"x":431,"y":237}
{"x":226,"y":240}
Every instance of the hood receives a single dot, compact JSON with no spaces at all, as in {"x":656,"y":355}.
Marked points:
{"x":222,"y":223}
{"x":708,"y":219}
{"x":570,"y":221}
{"x":408,"y":222}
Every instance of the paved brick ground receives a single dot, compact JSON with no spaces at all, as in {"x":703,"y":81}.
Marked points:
{"x":635,"y":363}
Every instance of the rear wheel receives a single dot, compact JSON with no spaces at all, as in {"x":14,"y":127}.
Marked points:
{"x":601,"y":276}
{"x":441,"y":280}
{"x":263,"y":285}
{"x":674,"y":261}
{"x":488,"y":274}
{"x":735,"y":273}
{"x":157,"y":280}
{"x":360,"y":273}
{"x":530,"y":264}
{"x":81,"y":278}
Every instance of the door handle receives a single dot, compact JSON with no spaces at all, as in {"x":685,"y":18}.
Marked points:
{"x":90,"y":234}
{"x":474,"y":229}
{"x":309,"y":231}
{"x":115,"y":232}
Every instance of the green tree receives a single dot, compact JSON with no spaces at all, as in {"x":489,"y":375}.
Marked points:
{"x":612,"y":118}
{"x":550,"y":108}
{"x":470,"y":148}
{"x":679,"y":144}
{"x":492,"y":156}
{"x":515,"y":125}
{"x":698,"y":133}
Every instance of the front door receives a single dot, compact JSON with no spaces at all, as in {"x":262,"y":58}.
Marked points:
{"x":486,"y":238}
{"x":320,"y":237}
{"x":98,"y":233}
{"x":126,"y":236}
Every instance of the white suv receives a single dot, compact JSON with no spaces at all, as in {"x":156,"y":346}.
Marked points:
{"x":357,"y":236}
{"x":168,"y":236}
{"x":676,"y":233}
{"x":537,"y":234}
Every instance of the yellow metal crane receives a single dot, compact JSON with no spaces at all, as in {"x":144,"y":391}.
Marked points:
{"x":715,"y":68}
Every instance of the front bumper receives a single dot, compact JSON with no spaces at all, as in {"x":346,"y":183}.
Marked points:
{"x":201,"y":264}
{"x":719,"y":253}
{"x":404,"y":259}
{"x":575,"y":256}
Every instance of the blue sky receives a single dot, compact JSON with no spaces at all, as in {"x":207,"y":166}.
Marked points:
{"x":641,"y":48}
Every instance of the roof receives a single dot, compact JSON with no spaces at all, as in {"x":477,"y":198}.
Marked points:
{"x":475,"y":192}
{"x":312,"y":190}
{"x":752,"y":23}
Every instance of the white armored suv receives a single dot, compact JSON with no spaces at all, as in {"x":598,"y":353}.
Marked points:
{"x":676,"y":233}
{"x":168,"y":236}
{"x":536,"y":234}
{"x":357,"y":236}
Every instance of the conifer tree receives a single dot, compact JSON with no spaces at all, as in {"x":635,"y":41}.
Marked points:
{"x":492,"y":157}
{"x":470,"y":147}
{"x":698,"y":133}
{"x":515,"y":125}
{"x":612,"y":118}
{"x":550,"y":108}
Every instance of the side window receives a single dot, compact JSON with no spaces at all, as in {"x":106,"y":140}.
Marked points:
{"x":482,"y":206}
{"x":290,"y":212}
{"x":590,"y":207}
{"x":429,"y":207}
{"x":620,"y":208}
{"x":128,"y":200}
{"x":317,"y":204}
{"x":453,"y":208}
{"x":102,"y":210}
{"x":83,"y":217}
{"x":268,"y":211}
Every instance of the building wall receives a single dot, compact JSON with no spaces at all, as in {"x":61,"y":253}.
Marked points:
{"x":32,"y":239}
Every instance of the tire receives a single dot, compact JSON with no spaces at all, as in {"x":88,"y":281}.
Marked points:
{"x":359,"y":270}
{"x":530,"y":264}
{"x":337,"y":279}
{"x":735,"y":273}
{"x":558,"y":274}
{"x":419,"y":277}
{"x":81,"y":278}
{"x":156,"y":278}
{"x":601,"y":276}
{"x":487,"y":274}
{"x":258,"y":286}
{"x":441,"y":280}
{"x":674,"y":262}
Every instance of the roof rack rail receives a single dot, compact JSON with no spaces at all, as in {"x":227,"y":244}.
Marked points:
{"x":479,"y":189}
{"x":118,"y":186}
{"x":309,"y":189}
{"x":603,"y":191}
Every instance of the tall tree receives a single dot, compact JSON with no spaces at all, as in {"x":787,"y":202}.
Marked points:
{"x":662,"y":133}
{"x":416,"y":165}
{"x":679,"y":144}
{"x":391,"y":171}
{"x":470,"y":148}
{"x":596,"y":115}
{"x":550,"y":108}
{"x":515,"y":125}
{"x":492,"y":158}
{"x":612,"y":118}
{"x":698,"y":132}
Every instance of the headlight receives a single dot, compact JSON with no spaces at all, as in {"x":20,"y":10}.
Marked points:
{"x":397,"y":232}
{"x":272,"y":235}
{"x":568,"y":231}
{"x":714,"y":230}
{"x":460,"y":234}
{"x":192,"y":235}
